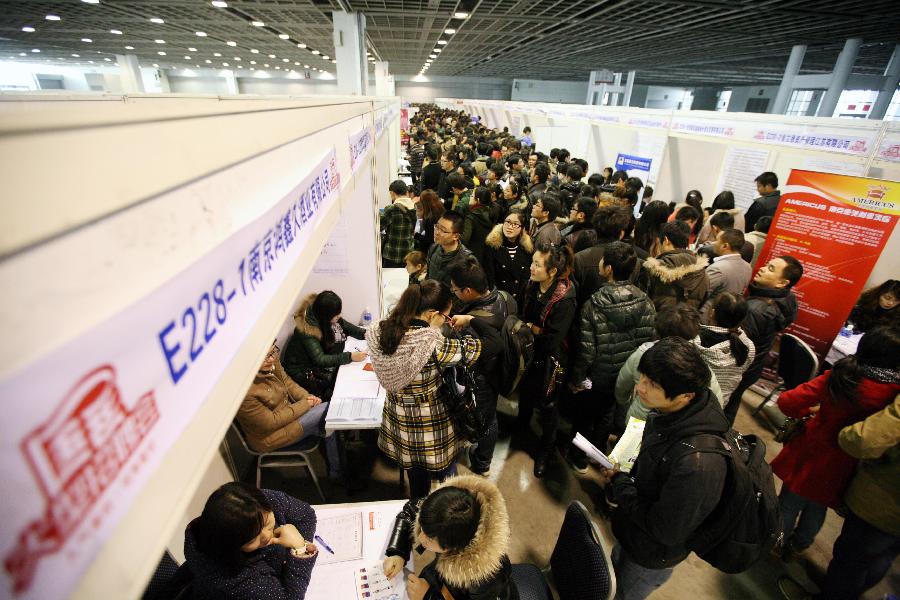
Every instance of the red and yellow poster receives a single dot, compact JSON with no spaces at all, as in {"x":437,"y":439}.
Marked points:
{"x":837,"y":227}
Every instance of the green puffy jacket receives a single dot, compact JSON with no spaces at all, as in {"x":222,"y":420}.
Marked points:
{"x":614,"y":322}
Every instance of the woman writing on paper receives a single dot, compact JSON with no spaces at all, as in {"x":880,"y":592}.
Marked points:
{"x":408,"y":353}
{"x":465,"y":523}
{"x":251,"y":543}
{"x":316,"y":349}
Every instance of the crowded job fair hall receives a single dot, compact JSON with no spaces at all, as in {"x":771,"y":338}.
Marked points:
{"x":331,"y":324}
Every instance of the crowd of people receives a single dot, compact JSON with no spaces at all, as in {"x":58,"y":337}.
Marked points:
{"x":628,"y":307}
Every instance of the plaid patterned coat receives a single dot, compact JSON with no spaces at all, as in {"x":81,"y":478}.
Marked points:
{"x":398,"y":224}
{"x":416,"y":430}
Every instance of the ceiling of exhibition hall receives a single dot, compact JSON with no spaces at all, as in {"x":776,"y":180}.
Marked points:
{"x":675,"y":42}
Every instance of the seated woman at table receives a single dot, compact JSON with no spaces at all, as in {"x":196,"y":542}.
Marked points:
{"x":877,"y":306}
{"x":251,"y":543}
{"x":408,"y":353}
{"x":465,"y":523}
{"x":316,"y":349}
{"x":276,"y":412}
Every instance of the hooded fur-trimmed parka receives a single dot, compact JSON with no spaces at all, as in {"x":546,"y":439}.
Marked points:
{"x":481,"y":570}
{"x":673,"y":277}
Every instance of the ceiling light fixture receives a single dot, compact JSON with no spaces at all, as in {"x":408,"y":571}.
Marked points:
{"x":76,"y":55}
{"x":316,"y":52}
{"x":237,"y":58}
{"x":285,"y":60}
{"x":52,"y":18}
{"x":35,"y":50}
{"x":449,"y":31}
{"x":432,"y":56}
{"x":157,"y":20}
{"x":305,"y":66}
{"x":187,"y":57}
{"x":230,"y":43}
{"x":252,"y":62}
{"x":192,"y":49}
{"x":27,"y":29}
{"x":284,"y":36}
{"x":326,"y":57}
{"x":154,"y":65}
{"x":129,"y":47}
{"x":108,"y":59}
{"x":442,"y":42}
{"x":301,"y":45}
{"x":200,"y":33}
{"x":160,"y":41}
{"x":87,"y":40}
{"x":266,"y":65}
{"x":219,"y":4}
{"x":257,"y":23}
{"x":224,"y":64}
{"x":438,"y":50}
{"x":272,"y":56}
{"x":207,"y":61}
{"x":91,"y":1}
{"x":460,"y":15}
{"x":22,"y":54}
{"x":161,"y":53}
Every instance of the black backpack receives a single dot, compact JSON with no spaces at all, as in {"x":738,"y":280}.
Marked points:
{"x":458,"y":389}
{"x":517,"y":356}
{"x":746,"y":523}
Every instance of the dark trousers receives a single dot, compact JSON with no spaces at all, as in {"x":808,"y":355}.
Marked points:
{"x":862,"y":556}
{"x":389,"y":264}
{"x":486,"y":399}
{"x":594,"y":412}
{"x":532,"y":394}
{"x":420,"y":480}
{"x":750,"y":377}
{"x":415,"y":179}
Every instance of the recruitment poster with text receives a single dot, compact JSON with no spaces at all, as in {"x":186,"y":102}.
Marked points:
{"x":837,"y":227}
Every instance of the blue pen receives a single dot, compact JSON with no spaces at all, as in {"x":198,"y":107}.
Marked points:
{"x":325,"y":545}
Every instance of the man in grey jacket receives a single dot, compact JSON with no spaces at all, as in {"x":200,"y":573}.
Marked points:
{"x":728,"y":271}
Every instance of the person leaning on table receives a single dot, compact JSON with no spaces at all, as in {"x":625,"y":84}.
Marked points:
{"x":465,"y":523}
{"x":251,"y":543}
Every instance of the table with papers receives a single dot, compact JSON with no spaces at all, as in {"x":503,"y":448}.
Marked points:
{"x":359,"y":534}
{"x":358,"y":398}
{"x":842,"y":347}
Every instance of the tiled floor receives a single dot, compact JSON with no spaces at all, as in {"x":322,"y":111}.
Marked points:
{"x":537,"y":508}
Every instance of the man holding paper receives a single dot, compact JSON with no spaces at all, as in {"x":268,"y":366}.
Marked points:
{"x":671,"y":490}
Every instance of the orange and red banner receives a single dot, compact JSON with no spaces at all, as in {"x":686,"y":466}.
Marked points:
{"x":837,"y":227}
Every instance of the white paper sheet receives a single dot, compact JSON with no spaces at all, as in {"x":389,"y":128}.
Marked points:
{"x":354,"y":345}
{"x":592,"y":451}
{"x":371,"y":584}
{"x":345,"y":410}
{"x":739,"y":169}
{"x":629,"y":445}
{"x":344,"y":534}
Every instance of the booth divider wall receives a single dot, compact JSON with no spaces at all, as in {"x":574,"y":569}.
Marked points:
{"x":120,"y":214}
{"x":706,"y":150}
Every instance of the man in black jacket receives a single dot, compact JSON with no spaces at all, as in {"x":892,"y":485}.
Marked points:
{"x":767,"y":202}
{"x":610,"y":223}
{"x":469,"y":282}
{"x":771,"y":307}
{"x":672,"y":488}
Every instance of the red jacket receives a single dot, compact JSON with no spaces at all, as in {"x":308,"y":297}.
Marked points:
{"x":812,"y":464}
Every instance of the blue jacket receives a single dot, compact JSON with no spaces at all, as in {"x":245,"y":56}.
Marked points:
{"x":271,"y":573}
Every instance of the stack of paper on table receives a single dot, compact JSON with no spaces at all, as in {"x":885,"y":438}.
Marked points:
{"x":358,"y":396}
{"x":343,"y":534}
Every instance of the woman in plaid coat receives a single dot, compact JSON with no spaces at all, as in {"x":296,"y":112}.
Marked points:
{"x":408,"y":353}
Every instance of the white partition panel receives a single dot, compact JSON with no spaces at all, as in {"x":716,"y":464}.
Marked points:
{"x":107,"y":204}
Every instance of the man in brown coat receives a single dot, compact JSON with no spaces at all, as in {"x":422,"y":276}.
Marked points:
{"x":276,"y":412}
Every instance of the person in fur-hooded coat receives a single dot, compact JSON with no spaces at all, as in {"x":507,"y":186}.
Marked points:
{"x":676,"y":275}
{"x":480,"y":568}
{"x":507,"y":256}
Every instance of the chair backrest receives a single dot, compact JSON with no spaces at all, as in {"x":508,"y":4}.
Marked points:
{"x":236,"y":428}
{"x":580,"y":562}
{"x":169,"y":581}
{"x":797,"y":363}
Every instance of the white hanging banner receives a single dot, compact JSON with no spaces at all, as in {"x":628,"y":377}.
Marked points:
{"x":360,"y":144}
{"x":87,"y":425}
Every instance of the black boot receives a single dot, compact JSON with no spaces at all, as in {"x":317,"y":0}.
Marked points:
{"x":540,"y":464}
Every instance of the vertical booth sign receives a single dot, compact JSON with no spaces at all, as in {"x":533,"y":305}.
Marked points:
{"x":88,"y":424}
{"x":837,"y":227}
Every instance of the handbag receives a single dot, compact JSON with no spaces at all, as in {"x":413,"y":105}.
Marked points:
{"x":460,"y":401}
{"x":791,"y":428}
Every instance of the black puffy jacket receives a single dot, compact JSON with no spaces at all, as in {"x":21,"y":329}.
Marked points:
{"x":769,"y":311}
{"x":614,"y":322}
{"x":663,"y":502}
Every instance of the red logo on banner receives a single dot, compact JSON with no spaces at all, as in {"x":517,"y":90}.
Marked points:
{"x":876,"y":192}
{"x":75,"y":456}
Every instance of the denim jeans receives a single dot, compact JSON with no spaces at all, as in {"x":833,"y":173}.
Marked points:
{"x":313,"y":423}
{"x":634,"y":582}
{"x":862,"y":556}
{"x":800,"y":532}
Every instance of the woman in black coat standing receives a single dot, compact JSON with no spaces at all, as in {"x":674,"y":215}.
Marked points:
{"x":431,"y":172}
{"x":507,"y":256}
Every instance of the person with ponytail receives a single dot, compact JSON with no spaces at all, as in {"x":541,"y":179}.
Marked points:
{"x":814,"y":469}
{"x":725,"y":347}
{"x":549,"y":309}
{"x":466,"y":525}
{"x":408,"y":353}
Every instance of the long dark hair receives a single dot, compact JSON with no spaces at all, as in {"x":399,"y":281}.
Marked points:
{"x":646,"y":231}
{"x":867,"y":312}
{"x":325,"y":307}
{"x":695,"y":198}
{"x":233,"y":515}
{"x":729,"y":310}
{"x":451,"y":516}
{"x":416,"y":299}
{"x":432,"y":207}
{"x":878,"y":348}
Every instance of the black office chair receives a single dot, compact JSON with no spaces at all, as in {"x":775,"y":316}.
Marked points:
{"x":797,"y":364}
{"x":295,"y":455}
{"x":580,"y":566}
{"x":169,"y":581}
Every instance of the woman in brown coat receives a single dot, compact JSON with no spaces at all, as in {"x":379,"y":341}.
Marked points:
{"x":276,"y":412}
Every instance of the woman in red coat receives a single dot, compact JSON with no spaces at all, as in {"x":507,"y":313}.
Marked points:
{"x":814,"y":470}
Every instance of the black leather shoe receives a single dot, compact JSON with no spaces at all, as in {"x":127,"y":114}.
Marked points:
{"x":540,"y":466}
